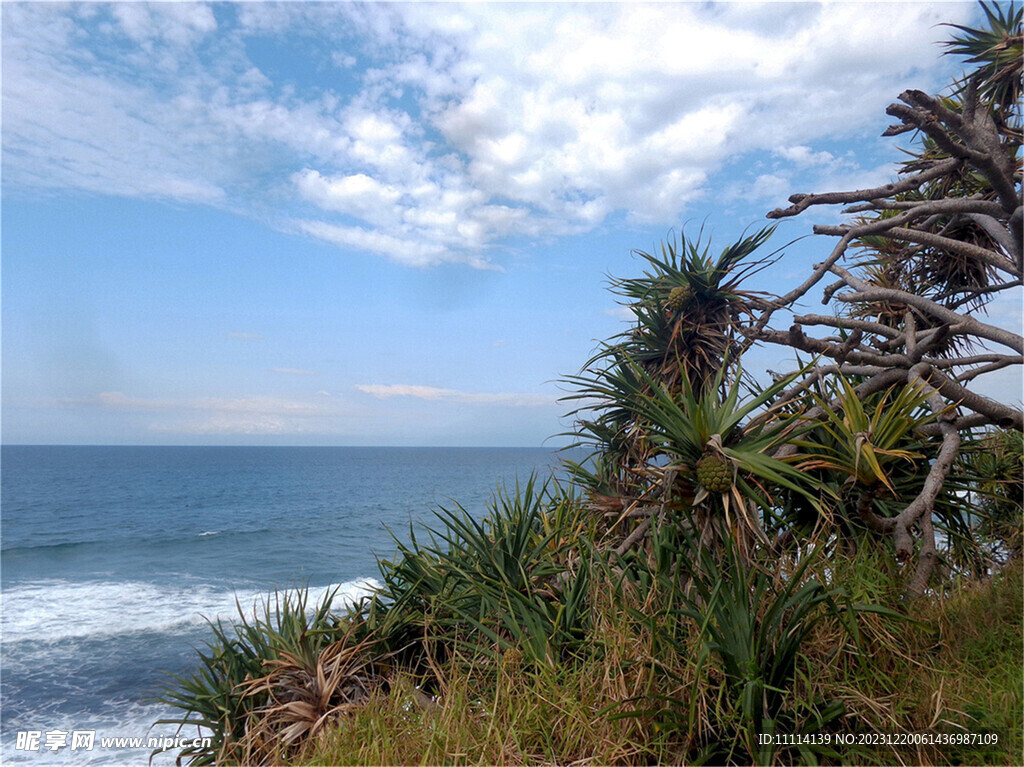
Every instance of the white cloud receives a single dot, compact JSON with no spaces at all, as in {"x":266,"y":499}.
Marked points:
{"x":240,"y":424}
{"x":401,"y":390}
{"x":223,"y":415}
{"x":261,"y":126}
{"x":177,"y":23}
{"x":252,"y":405}
{"x":356,"y":195}
{"x":770,"y":186}
{"x":472,"y":124}
{"x":803,"y":156}
{"x":621,"y":312}
{"x":67,"y":125}
{"x":405,"y":251}
{"x":434,"y":394}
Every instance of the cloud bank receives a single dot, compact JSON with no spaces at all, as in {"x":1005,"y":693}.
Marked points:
{"x":221,"y":415}
{"x":447,"y":130}
{"x":434,"y":394}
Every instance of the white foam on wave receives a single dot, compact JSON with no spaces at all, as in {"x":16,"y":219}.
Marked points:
{"x":53,"y":610}
{"x":44,"y":621}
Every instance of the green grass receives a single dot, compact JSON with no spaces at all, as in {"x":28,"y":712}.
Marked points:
{"x":508,"y":715}
{"x":983,"y":643}
{"x":956,"y":667}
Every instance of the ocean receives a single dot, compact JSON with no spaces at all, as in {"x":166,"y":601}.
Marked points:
{"x":114,"y":557}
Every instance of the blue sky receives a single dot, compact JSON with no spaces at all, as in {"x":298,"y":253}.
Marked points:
{"x":303,"y":223}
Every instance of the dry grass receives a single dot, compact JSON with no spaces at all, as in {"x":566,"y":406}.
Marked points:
{"x":516,"y":717}
{"x":635,"y":700}
{"x":508,"y":712}
{"x":954,"y":667}
{"x":658,"y":673}
{"x":302,"y":696}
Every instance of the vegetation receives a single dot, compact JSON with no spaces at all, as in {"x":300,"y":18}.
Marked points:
{"x":822,"y":568}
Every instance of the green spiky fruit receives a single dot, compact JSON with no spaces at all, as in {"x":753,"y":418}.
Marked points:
{"x":678,"y":297}
{"x":714,"y":473}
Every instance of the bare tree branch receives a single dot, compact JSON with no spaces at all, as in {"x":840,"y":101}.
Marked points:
{"x":954,"y":246}
{"x":866,"y":292}
{"x":803,"y":201}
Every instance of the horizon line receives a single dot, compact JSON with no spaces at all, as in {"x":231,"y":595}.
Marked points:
{"x":357,"y":447}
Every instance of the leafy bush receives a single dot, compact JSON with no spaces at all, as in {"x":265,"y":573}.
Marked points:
{"x":515,"y":580}
{"x":215,"y":697}
{"x":748,"y":622}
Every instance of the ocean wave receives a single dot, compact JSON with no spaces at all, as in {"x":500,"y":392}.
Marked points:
{"x":134,"y":720}
{"x":52,"y":547}
{"x":104,"y":541}
{"x":53,"y":610}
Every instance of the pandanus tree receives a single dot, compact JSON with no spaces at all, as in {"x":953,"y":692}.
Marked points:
{"x":676,"y":429}
{"x":914,"y":270}
{"x":686,"y":307}
{"x":862,"y":441}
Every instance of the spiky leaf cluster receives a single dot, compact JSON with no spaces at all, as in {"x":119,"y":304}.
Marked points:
{"x":704,"y":302}
{"x":687,"y":308}
{"x":998,"y":50}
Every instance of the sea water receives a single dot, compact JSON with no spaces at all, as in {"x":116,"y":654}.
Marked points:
{"x":114,"y":558}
